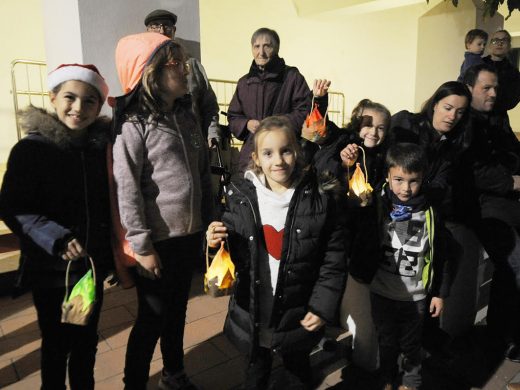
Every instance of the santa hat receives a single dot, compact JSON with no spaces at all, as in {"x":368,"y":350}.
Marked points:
{"x":86,"y":73}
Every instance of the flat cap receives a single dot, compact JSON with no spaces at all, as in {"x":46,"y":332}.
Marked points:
{"x":160,"y":14}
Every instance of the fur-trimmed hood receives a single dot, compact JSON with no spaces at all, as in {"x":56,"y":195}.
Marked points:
{"x":34,"y":120}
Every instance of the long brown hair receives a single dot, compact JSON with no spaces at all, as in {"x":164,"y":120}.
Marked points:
{"x":149,"y":100}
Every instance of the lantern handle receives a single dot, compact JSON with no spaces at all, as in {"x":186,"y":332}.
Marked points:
{"x":364,"y":163}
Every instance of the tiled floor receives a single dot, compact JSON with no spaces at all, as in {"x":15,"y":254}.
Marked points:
{"x":210,"y":360}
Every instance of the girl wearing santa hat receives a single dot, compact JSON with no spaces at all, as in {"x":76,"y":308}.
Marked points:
{"x":54,"y":197}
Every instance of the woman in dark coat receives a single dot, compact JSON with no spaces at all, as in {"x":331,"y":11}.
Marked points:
{"x":440,"y":128}
{"x":270,"y":88}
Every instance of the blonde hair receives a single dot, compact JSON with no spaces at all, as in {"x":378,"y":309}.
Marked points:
{"x":279,"y":123}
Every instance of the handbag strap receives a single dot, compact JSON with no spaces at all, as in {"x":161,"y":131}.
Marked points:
{"x":67,"y":276}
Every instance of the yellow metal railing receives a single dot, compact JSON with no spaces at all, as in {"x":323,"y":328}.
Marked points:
{"x":224,"y":90}
{"x":28,"y":80}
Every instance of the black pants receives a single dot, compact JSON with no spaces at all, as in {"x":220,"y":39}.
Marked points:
{"x":162,"y":311}
{"x":62,"y":342}
{"x":502,"y":243}
{"x":399,"y":329}
{"x":296,"y":372}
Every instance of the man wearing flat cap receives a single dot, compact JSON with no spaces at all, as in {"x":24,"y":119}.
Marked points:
{"x":205,"y":104}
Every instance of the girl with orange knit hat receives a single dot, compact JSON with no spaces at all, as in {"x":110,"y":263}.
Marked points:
{"x":161,"y":172}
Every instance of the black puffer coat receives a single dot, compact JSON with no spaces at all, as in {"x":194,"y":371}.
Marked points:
{"x":56,"y":188}
{"x":312,"y":268}
{"x":443,"y":154}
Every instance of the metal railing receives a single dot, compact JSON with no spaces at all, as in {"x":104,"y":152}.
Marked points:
{"x":28,"y":80}
{"x":224,"y":90}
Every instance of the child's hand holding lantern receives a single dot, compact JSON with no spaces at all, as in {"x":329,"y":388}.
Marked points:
{"x":349,"y":155}
{"x":215,"y":234}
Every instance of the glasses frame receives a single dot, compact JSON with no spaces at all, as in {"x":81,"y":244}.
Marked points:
{"x":503,"y":41}
{"x":158,"y":27}
{"x":176,"y":64}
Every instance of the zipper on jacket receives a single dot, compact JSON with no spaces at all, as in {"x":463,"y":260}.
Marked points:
{"x":431,"y":232}
{"x":289,"y":247}
{"x":85,"y":190}
{"x":186,"y":158}
{"x":248,"y":201}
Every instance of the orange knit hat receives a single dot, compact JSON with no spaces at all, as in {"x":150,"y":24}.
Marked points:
{"x":132,"y":54}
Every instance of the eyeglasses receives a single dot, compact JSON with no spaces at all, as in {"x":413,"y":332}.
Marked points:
{"x":178,"y":65}
{"x":496,"y":41}
{"x":158,"y":27}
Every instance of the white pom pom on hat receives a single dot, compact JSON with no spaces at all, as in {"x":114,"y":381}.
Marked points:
{"x":87,"y":73}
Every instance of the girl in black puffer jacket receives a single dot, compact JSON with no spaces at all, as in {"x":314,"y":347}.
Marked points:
{"x":55,"y":199}
{"x":287,"y":244}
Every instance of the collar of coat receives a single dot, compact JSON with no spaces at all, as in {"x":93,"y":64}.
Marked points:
{"x":325,"y":183}
{"x":34,"y":120}
{"x":274,"y":69}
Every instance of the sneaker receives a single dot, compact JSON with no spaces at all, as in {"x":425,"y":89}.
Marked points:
{"x":178,"y":381}
{"x":513,"y":386}
{"x":513,"y":353}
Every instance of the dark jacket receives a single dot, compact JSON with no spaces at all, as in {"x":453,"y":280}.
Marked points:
{"x":278,"y":90}
{"x":508,"y":94}
{"x":56,"y":188}
{"x":470,"y":59}
{"x":494,"y":157}
{"x":443,"y":153}
{"x":368,"y":249}
{"x":312,"y":269}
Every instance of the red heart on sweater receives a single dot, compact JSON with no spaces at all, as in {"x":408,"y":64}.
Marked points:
{"x":273,"y":241}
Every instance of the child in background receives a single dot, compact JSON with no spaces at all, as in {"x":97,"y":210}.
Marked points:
{"x":408,"y":244}
{"x":161,"y":171}
{"x":55,"y":199}
{"x":287,"y":245}
{"x":475,"y":42}
{"x":367,"y":128}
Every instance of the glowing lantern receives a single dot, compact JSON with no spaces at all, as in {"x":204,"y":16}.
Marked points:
{"x":359,"y":187}
{"x":220,"y":275}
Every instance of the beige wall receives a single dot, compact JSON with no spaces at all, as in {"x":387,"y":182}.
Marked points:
{"x":513,"y":26}
{"x":440,"y":48}
{"x":395,"y":56}
{"x":366,"y":55}
{"x":21,"y":26}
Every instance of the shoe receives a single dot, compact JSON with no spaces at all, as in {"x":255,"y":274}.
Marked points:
{"x":513,"y":353}
{"x":403,"y":387}
{"x":513,"y":386}
{"x":178,"y":381}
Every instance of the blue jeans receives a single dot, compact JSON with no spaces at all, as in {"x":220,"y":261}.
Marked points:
{"x":162,"y":311}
